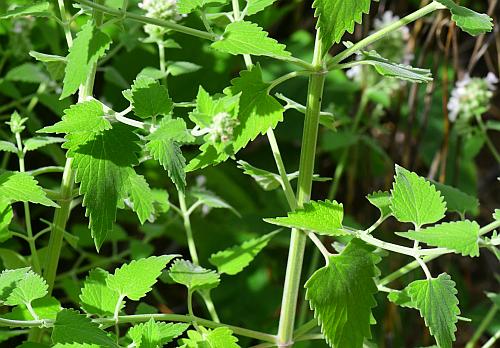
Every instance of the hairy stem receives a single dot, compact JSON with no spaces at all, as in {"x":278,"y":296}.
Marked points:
{"x":306,"y":171}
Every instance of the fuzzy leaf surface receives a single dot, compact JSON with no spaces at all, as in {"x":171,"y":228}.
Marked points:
{"x":342,"y":295}
{"x":149,"y":98}
{"x":188,"y":6}
{"x":415,"y":200}
{"x":36,"y":9}
{"x":457,"y":200}
{"x":221,"y":337}
{"x":37,"y":142}
{"x":71,"y":327}
{"x":255,"y":6}
{"x":153,"y":334}
{"x":89,"y":45}
{"x":335,"y":17}
{"x":192,"y":276}
{"x":438,"y":304}
{"x":9,"y":279}
{"x":22,"y":187}
{"x":96,"y":297}
{"x":141,"y":196}
{"x":459,"y":236}
{"x":29,"y":288}
{"x":322,"y":217}
{"x":244,"y":37}
{"x":135,"y":279}
{"x":233,"y":260}
{"x":381,"y":200}
{"x":469,"y":21}
{"x":7,"y":146}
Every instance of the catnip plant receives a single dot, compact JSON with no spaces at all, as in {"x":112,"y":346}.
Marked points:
{"x":104,"y":149}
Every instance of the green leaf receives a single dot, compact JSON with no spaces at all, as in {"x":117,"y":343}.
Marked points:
{"x":134,"y":280}
{"x":496,"y":214}
{"x":459,"y":236}
{"x":44,"y":308}
{"x":469,"y":21}
{"x":7,"y":146}
{"x":164,"y":146}
{"x":324,"y":218}
{"x":233,"y":260}
{"x":141,"y":197}
{"x":72,"y":327}
{"x":401,"y":298}
{"x":188,"y":6}
{"x":221,"y":337}
{"x":248,"y":38}
{"x":177,"y":68}
{"x":192,"y":276}
{"x":38,"y":142}
{"x":89,"y":45}
{"x":9,"y":279}
{"x":55,"y":65}
{"x":415,"y":200}
{"x":6,"y":216}
{"x":335,"y":17}
{"x":391,"y":69}
{"x":22,"y":187}
{"x":149,"y":98}
{"x":342,"y":295}
{"x":438,"y":304}
{"x":36,"y":9}
{"x":30,"y":287}
{"x":457,"y":200}
{"x":255,"y":6}
{"x":28,"y":73}
{"x":258,"y":112}
{"x":153,"y":334}
{"x":211,"y":200}
{"x":96,"y":297}
{"x":382,"y":200}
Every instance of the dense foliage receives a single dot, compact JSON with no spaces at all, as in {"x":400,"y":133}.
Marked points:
{"x":145,"y":200}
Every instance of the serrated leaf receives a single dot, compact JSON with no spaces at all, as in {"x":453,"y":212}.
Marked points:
{"x":38,"y":142}
{"x":22,"y":187}
{"x":6,"y":216}
{"x":457,"y":200}
{"x":9,"y":279}
{"x":28,"y":73}
{"x":134,"y":280}
{"x":248,"y":38}
{"x":381,"y":200}
{"x":415,"y":200}
{"x":255,"y":6}
{"x":192,"y":276}
{"x":55,"y":65}
{"x":401,"y":298}
{"x":496,"y":214}
{"x":141,"y":196}
{"x":153,"y":334}
{"x":342,"y":295}
{"x":258,"y":112}
{"x":44,"y":308}
{"x":96,"y":297}
{"x":469,"y":21}
{"x":164,"y":146}
{"x":233,"y":260}
{"x":438,"y":304}
{"x":322,"y":217}
{"x":72,"y":327}
{"x":391,"y":69}
{"x":30,"y":287}
{"x":89,"y":45}
{"x":459,"y":236}
{"x":211,"y":200}
{"x":149,"y":98}
{"x":188,"y":6}
{"x":221,"y":337}
{"x":178,"y":68}
{"x":7,"y":146}
{"x":335,"y":17}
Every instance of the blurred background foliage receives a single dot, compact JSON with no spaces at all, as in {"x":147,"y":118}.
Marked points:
{"x":398,"y":123}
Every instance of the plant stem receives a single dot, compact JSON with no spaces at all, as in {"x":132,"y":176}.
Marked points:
{"x":35,"y":261}
{"x":490,"y":227}
{"x":143,"y":19}
{"x":306,"y":171}
{"x":189,"y":231}
{"x":61,"y":215}
{"x":404,"y":270}
{"x":489,"y":143}
{"x":492,"y":340}
{"x":482,"y":327}
{"x":424,"y":11}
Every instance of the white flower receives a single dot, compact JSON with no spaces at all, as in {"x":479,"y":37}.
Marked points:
{"x":159,"y":9}
{"x":220,"y":130}
{"x":471,"y":97}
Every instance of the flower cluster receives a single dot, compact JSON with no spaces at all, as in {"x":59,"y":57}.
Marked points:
{"x":159,"y":9}
{"x":222,"y":128}
{"x":471,"y":97}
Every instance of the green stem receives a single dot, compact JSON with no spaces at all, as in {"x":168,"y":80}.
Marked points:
{"x":482,"y":327}
{"x":404,"y":270}
{"x":492,"y":340}
{"x":490,"y":227}
{"x":65,"y":23}
{"x":62,"y":214}
{"x":424,"y":11}
{"x":306,"y":171}
{"x":143,"y":19}
{"x":187,"y":227}
{"x":489,"y":143}
{"x":35,"y":260}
